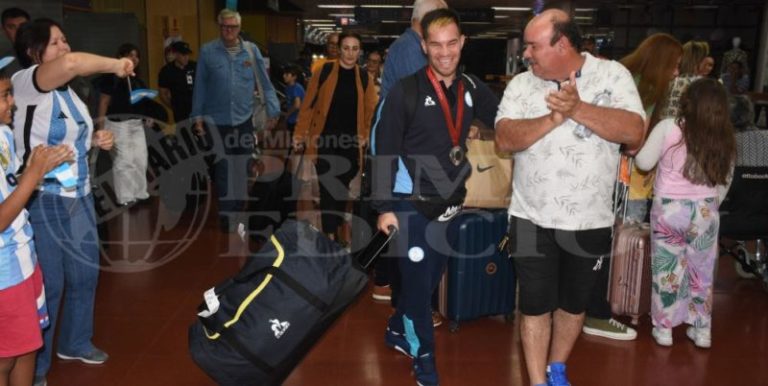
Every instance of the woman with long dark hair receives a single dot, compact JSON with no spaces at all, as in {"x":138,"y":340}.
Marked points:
{"x":334,"y":124}
{"x":695,"y":153}
{"x":62,"y":210}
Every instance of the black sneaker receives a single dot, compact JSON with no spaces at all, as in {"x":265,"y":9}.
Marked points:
{"x":425,"y":371}
{"x":397,"y":341}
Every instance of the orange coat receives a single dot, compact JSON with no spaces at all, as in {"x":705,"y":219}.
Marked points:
{"x":311,"y":120}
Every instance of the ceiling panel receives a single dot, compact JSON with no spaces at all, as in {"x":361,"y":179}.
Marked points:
{"x":505,"y":24}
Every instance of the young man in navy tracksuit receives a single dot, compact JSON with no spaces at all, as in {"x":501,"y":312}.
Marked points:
{"x":418,"y":178}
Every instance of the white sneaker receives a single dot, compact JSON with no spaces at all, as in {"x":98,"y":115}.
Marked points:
{"x":662,"y":336}
{"x":701,"y":337}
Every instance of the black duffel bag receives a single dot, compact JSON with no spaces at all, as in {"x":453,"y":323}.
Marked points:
{"x":255,"y":328}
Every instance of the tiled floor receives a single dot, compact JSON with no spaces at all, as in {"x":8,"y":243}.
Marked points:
{"x":142,"y":319}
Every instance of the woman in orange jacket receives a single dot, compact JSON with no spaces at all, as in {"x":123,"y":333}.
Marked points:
{"x":334,"y":125}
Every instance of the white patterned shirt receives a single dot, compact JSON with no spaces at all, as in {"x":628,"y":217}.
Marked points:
{"x":562,"y":181}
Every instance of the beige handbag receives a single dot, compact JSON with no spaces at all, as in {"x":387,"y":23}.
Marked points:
{"x":490,"y":184}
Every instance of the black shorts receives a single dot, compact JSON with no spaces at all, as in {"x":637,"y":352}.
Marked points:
{"x":556,"y":268}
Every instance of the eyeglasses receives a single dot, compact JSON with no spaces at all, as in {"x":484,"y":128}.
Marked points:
{"x":230,"y":27}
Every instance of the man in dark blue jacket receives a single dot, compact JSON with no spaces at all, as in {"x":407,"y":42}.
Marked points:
{"x":419,"y":174}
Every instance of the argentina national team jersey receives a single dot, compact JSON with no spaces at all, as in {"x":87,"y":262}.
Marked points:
{"x":52,"y":118}
{"x":17,"y":257}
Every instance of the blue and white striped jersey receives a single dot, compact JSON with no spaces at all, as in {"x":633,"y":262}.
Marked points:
{"x":17,"y":251}
{"x":52,"y":118}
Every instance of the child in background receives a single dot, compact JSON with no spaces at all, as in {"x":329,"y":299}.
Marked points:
{"x":695,"y":153}
{"x":294,"y":94}
{"x":22,"y":299}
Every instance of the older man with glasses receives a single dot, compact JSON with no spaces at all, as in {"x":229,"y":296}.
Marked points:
{"x":331,"y":51}
{"x":230,"y":72}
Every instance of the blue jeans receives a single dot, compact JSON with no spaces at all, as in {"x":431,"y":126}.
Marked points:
{"x":68,"y":252}
{"x":230,"y":173}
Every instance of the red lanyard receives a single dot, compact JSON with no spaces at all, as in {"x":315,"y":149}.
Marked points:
{"x":453,"y":128}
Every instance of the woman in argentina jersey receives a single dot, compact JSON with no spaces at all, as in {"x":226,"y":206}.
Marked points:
{"x":62,"y":211}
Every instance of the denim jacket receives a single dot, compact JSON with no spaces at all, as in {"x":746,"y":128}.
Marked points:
{"x":224,"y":85}
{"x":405,"y":57}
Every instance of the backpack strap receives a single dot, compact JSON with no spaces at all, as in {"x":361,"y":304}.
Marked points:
{"x":411,"y":91}
{"x":324,"y":73}
{"x":363,"y":77}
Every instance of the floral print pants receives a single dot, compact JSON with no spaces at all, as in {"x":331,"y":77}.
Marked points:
{"x":683,"y":255}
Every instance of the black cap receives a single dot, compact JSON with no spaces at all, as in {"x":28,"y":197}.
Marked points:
{"x":181,"y":47}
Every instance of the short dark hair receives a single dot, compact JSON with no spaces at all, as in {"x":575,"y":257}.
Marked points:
{"x":32,"y":40}
{"x":4,"y":75}
{"x":567,"y":28}
{"x":12,"y":13}
{"x":377,"y":52}
{"x":349,"y":34}
{"x":292,"y":69}
{"x":125,"y":50}
{"x":441,"y":16}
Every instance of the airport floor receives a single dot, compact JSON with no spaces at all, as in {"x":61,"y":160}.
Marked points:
{"x":156,"y":267}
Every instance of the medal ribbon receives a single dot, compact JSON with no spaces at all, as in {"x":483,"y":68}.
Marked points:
{"x":453,"y":128}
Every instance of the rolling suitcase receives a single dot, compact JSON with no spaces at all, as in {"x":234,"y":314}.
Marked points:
{"x":254,"y":328}
{"x":480,"y":280}
{"x":629,"y":289}
{"x":629,"y":292}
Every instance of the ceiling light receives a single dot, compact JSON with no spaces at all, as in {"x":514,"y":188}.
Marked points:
{"x":586,"y":9}
{"x":515,"y":9}
{"x":501,"y":16}
{"x":318,"y":21}
{"x":380,"y":6}
{"x":335,"y":6}
{"x":341,"y":14}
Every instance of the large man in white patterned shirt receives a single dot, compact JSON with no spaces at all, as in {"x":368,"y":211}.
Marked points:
{"x":560,"y":215}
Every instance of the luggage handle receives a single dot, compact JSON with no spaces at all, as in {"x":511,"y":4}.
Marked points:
{"x":366,"y":256}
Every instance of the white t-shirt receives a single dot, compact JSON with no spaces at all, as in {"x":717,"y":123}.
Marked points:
{"x":562,"y":181}
{"x":52,"y":118}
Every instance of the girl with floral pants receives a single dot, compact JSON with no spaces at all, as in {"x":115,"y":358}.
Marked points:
{"x":695,"y":153}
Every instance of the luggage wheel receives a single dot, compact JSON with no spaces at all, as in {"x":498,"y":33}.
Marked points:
{"x":510,"y":317}
{"x":453,"y":326}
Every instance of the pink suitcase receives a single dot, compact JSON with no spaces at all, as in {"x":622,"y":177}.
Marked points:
{"x":629,"y":292}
